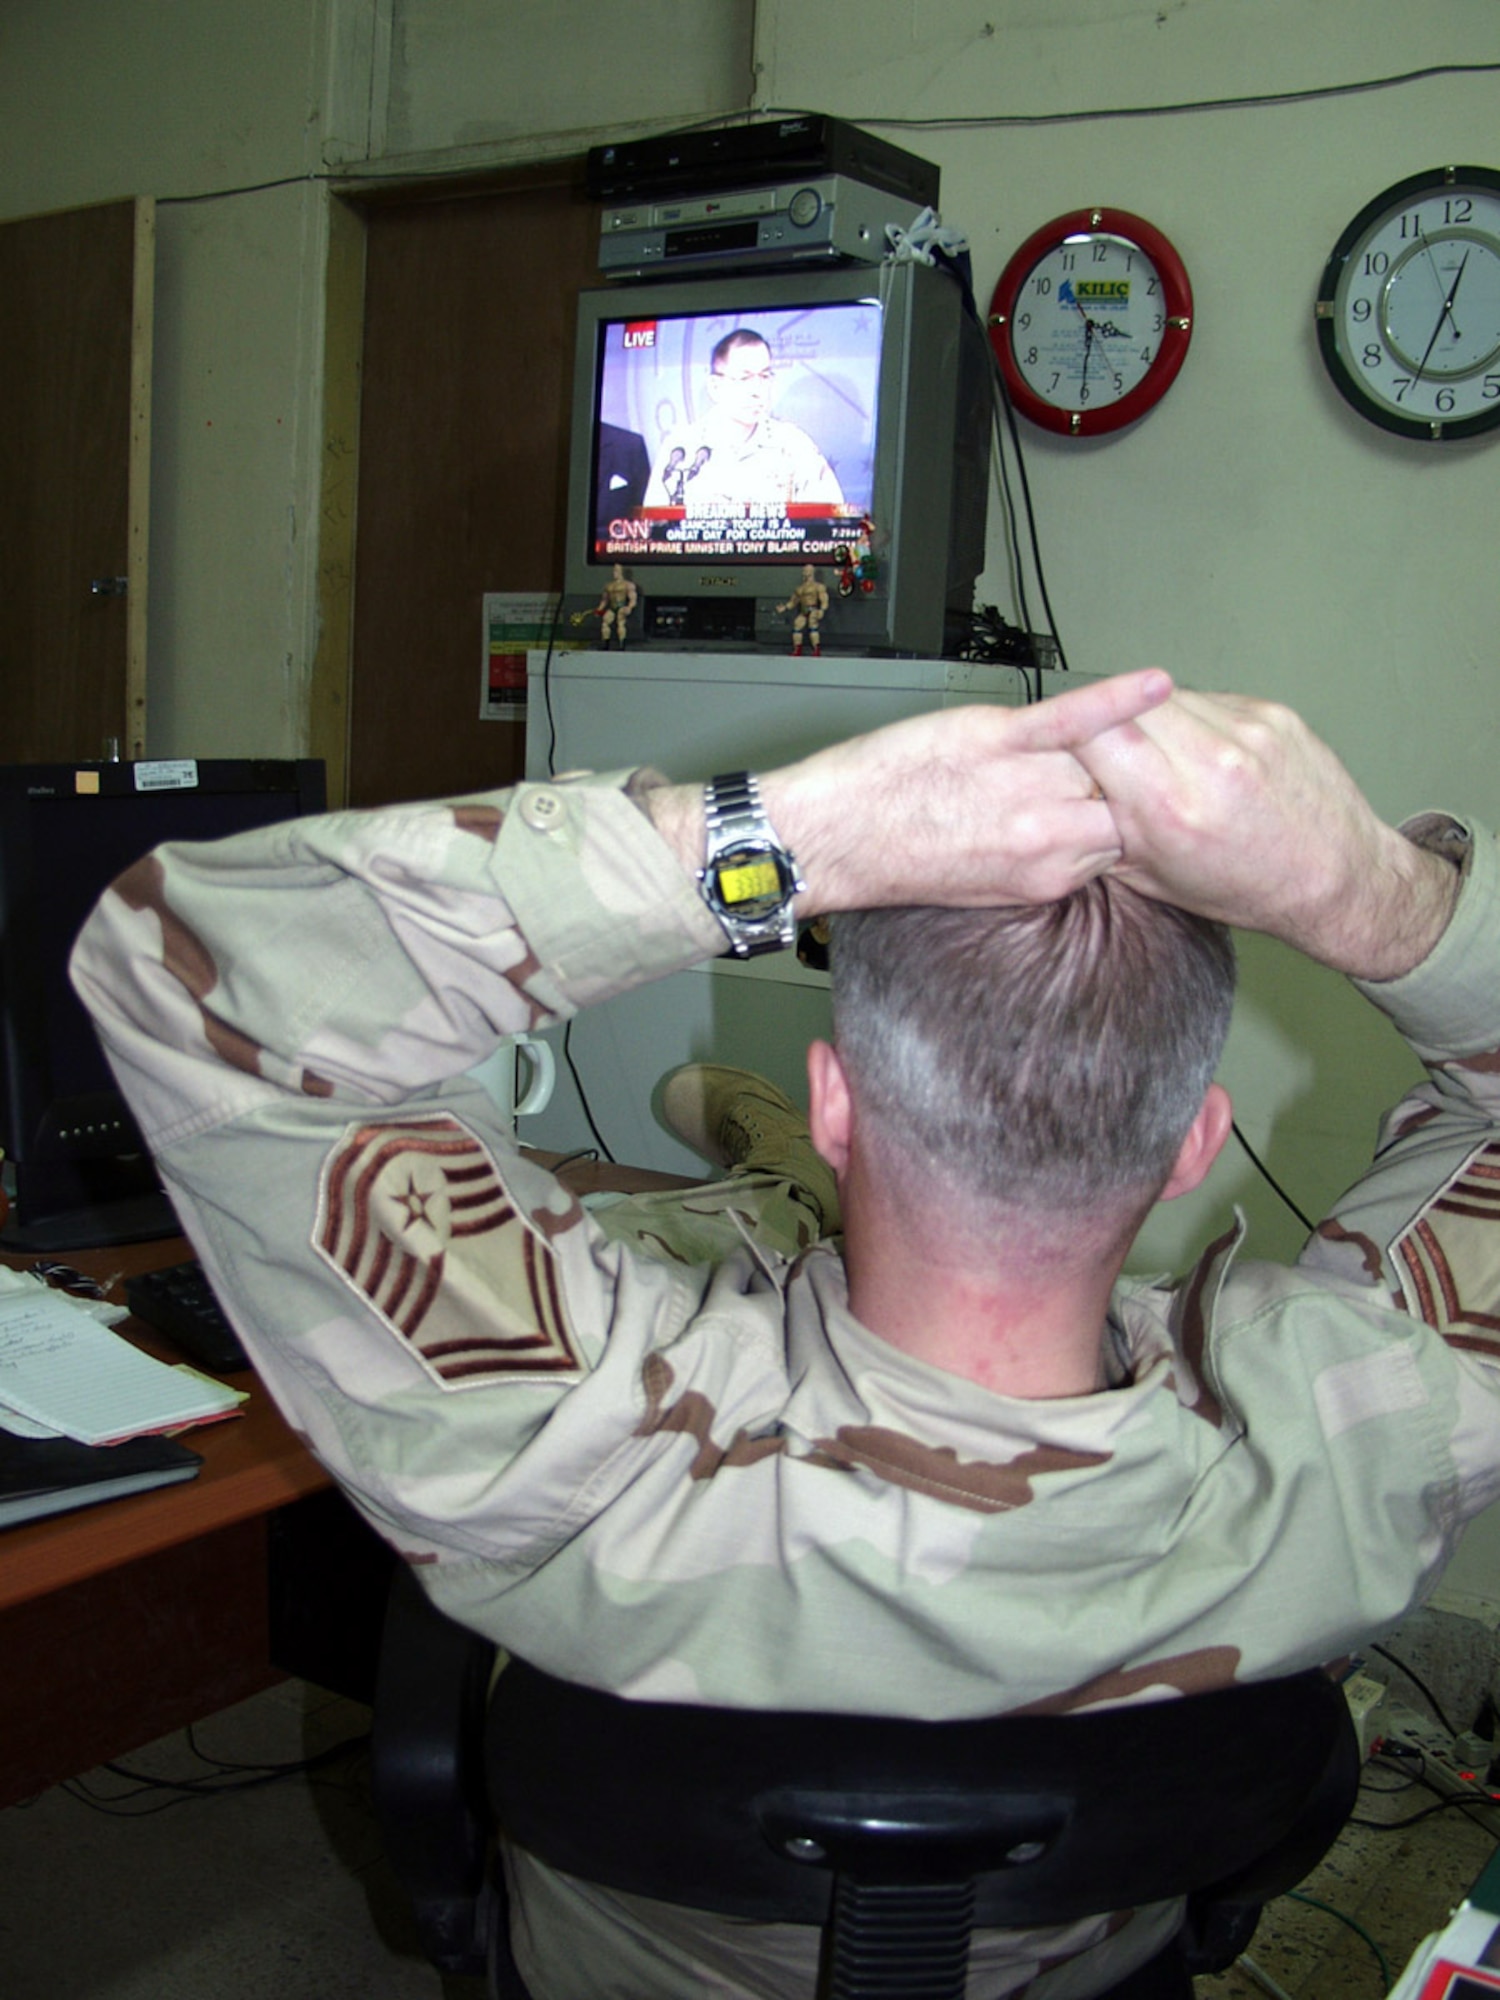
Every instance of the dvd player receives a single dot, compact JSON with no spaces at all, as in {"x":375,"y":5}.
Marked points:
{"x":809,"y":146}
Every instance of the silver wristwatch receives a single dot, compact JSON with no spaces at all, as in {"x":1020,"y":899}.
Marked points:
{"x":748,"y":878}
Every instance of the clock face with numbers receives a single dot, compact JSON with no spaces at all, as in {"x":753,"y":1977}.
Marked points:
{"x":1090,"y":321}
{"x":1408,"y":312}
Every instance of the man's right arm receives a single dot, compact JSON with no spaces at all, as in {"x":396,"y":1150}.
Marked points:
{"x":1233,"y":808}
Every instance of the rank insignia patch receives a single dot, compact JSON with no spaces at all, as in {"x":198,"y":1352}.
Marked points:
{"x":1449,"y":1259}
{"x":414,"y":1216}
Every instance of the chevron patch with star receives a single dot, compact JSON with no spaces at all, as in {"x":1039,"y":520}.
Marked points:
{"x":413,"y":1215}
{"x":1449,"y":1259}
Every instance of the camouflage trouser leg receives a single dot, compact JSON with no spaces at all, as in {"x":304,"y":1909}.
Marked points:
{"x":786,"y":1201}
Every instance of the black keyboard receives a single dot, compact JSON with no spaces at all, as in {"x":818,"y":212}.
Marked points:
{"x":180,"y":1303}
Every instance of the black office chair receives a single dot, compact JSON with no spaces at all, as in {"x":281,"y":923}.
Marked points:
{"x":896,"y":1838}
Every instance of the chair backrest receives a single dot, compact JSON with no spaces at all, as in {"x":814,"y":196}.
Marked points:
{"x":847,"y":1822}
{"x":1050,"y":1817}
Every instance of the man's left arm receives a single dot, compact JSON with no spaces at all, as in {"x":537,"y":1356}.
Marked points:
{"x":1422,"y":1222}
{"x":362,"y":958}
{"x":1234,"y":808}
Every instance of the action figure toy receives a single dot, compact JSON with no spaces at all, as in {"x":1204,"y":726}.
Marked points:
{"x":615,"y":605}
{"x":810,"y":601}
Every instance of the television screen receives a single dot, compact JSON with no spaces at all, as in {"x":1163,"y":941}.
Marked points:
{"x":730,"y":432}
{"x":747,"y":434}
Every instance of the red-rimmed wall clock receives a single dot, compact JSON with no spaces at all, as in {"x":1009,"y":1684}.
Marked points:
{"x":1090,"y":321}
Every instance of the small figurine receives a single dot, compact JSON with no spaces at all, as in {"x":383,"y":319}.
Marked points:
{"x":616,"y":602}
{"x":855,"y":561}
{"x":810,"y":601}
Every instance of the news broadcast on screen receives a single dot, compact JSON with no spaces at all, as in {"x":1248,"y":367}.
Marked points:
{"x":748,"y":434}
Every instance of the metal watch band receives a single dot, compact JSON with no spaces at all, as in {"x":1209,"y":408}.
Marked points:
{"x":742,"y":849}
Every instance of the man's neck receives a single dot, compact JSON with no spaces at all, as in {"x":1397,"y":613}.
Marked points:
{"x":994,"y":1310}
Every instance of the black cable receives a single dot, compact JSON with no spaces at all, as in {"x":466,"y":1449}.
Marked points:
{"x":1420,"y":1685}
{"x":997,"y":398}
{"x":349,"y":178}
{"x":1036,"y":548}
{"x":1271,"y":1181}
{"x":582,"y":1096}
{"x":282,"y":1767}
{"x":1000,"y":403}
{"x":547,"y":687}
{"x":1456,"y":1802}
{"x":1001,"y":121}
{"x":1390,"y":1756}
{"x":227,"y":1777}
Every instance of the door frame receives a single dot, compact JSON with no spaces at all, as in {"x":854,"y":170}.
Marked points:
{"x":331,"y":691}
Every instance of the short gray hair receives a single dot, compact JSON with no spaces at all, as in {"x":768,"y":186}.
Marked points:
{"x":1050,"y":1056}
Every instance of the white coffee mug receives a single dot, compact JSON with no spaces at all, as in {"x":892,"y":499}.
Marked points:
{"x":502,"y":1076}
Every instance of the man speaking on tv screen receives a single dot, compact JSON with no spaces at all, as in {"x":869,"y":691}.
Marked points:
{"x":736,"y":458}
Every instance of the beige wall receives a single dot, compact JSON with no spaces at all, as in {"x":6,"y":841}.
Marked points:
{"x":203,"y":103}
{"x":1252,"y":533}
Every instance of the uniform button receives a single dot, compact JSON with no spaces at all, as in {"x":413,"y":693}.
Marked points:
{"x":542,"y":810}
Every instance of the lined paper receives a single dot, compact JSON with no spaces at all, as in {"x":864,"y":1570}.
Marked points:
{"x":61,"y":1368}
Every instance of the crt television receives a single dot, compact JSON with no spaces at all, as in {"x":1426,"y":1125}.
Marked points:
{"x":729,"y":430}
{"x":76,"y":1170}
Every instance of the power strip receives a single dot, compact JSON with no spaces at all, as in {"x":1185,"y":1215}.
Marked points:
{"x":1444,"y":1762}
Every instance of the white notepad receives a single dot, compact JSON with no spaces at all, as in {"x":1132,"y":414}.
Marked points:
{"x":62,"y":1369}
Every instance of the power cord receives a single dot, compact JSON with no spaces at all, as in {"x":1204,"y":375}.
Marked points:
{"x":583,"y":1102}
{"x":1271,"y":1181}
{"x":1419,"y":1684}
{"x":225,"y":1776}
{"x":1005,"y":431}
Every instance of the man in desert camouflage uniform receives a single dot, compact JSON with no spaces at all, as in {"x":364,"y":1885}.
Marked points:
{"x":960,"y":1468}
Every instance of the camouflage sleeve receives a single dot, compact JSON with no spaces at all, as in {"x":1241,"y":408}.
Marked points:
{"x":290,"y":1013}
{"x":363,"y":957}
{"x":1423,"y":1224}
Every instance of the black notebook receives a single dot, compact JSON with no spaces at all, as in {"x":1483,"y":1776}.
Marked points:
{"x":49,"y":1475}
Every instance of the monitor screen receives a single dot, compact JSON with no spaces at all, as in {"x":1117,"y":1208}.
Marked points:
{"x":741,"y":433}
{"x":76,"y":1170}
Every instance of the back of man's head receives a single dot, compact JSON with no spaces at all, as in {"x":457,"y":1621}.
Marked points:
{"x":1049,"y":1057}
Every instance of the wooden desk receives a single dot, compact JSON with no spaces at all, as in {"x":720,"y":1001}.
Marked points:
{"x":123,"y":1621}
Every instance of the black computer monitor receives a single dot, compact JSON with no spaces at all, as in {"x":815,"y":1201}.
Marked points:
{"x":76,"y":1170}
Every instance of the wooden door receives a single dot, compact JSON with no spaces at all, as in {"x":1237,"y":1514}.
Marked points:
{"x":463,"y":441}
{"x":75,"y":439}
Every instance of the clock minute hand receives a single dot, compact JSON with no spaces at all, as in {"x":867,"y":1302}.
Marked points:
{"x":1445,"y":314}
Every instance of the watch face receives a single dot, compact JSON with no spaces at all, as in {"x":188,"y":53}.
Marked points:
{"x":749,"y":883}
{"x":1408,"y":312}
{"x":1090,"y":321}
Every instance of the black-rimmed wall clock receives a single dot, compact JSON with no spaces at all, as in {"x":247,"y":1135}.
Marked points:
{"x":1090,"y":321}
{"x":1408,"y":313}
